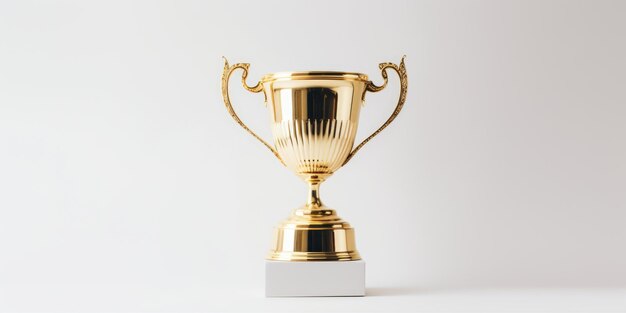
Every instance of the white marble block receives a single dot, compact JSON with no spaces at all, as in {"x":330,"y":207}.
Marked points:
{"x":314,"y":279}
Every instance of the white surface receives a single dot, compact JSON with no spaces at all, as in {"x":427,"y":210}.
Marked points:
{"x":315,"y":279}
{"x":240,"y":298}
{"x":124,"y":181}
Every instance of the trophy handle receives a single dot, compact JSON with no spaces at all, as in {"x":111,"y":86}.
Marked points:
{"x":401,"y":71}
{"x":256,"y":88}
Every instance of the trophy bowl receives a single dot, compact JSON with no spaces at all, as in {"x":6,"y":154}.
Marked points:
{"x":314,"y":119}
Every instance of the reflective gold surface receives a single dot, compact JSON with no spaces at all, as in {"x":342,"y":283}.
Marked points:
{"x":314,"y":118}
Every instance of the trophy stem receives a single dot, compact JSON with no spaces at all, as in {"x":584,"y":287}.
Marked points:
{"x":314,"y":194}
{"x":314,"y":181}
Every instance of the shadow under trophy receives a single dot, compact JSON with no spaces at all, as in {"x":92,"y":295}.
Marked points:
{"x":314,"y":119}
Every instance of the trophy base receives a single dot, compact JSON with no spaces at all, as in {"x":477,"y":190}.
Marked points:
{"x":314,"y":279}
{"x":314,"y":233}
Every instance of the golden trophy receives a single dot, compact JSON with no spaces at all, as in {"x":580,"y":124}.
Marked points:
{"x":314,"y":120}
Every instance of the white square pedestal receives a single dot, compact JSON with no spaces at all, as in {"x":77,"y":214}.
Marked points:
{"x":314,"y":279}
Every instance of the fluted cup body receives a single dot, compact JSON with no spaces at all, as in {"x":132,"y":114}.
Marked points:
{"x":314,"y":118}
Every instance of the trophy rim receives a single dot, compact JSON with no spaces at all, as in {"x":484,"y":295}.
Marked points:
{"x":315,"y":75}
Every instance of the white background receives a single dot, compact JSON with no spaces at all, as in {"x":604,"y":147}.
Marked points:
{"x":126,"y":186}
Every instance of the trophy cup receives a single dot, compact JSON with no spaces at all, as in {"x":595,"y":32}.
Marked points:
{"x":314,"y":119}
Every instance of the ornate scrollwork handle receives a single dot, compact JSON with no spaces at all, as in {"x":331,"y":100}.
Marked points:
{"x":256,"y":88}
{"x":401,"y":71}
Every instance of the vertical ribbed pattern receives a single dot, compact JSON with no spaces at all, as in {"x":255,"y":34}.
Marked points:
{"x":314,"y":146}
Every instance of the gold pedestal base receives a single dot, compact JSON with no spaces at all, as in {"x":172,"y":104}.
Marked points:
{"x":314,"y":233}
